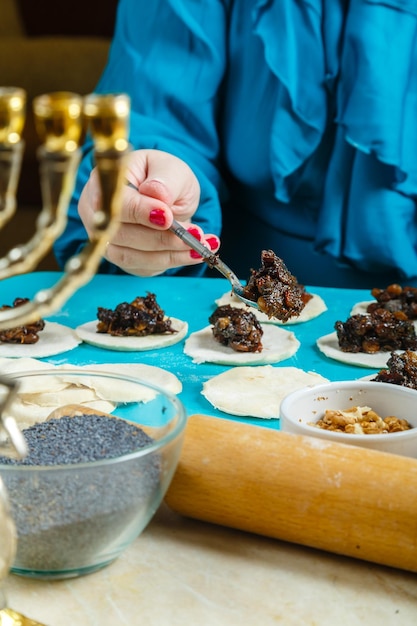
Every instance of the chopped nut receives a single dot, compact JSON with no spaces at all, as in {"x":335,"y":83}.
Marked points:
{"x":360,"y":420}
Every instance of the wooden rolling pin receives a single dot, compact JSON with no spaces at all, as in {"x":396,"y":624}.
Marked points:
{"x":340,"y":498}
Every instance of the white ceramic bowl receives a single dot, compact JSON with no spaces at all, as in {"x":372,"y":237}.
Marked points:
{"x":309,"y":404}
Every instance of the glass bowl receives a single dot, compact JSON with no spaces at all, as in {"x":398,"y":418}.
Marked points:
{"x":7,"y":542}
{"x":80,"y":505}
{"x":300,"y":409}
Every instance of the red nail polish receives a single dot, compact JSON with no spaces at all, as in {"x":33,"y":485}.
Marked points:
{"x":194,"y":232}
{"x":213,"y":242}
{"x":157,"y":217}
{"x":195,"y":255}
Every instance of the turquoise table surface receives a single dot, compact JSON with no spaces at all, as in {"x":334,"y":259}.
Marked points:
{"x":190,"y":299}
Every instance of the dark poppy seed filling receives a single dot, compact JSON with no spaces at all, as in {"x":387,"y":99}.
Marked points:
{"x":401,"y":370}
{"x":395,"y":298}
{"x":380,"y":331}
{"x":139,"y":318}
{"x":237,"y":328}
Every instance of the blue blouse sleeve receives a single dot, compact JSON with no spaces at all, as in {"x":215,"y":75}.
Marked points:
{"x":169,"y":56}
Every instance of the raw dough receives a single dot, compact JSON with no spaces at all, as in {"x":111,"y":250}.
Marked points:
{"x":312,"y":309}
{"x":37,"y":398}
{"x":278,"y":344}
{"x":53,"y":339}
{"x":360,"y":308}
{"x":256,"y":391}
{"x":329,"y":345}
{"x":88,"y":333}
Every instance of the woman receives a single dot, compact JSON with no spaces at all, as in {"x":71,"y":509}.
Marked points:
{"x":265,"y":124}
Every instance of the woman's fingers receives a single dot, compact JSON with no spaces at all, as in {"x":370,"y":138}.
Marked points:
{"x":159,"y":189}
{"x":153,"y":262}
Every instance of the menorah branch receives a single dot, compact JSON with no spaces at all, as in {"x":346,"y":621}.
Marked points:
{"x":60,"y":119}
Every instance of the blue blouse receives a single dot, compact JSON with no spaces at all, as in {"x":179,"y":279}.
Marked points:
{"x":299,"y":118}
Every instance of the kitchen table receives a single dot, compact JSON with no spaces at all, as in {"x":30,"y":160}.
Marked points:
{"x":182,"y":571}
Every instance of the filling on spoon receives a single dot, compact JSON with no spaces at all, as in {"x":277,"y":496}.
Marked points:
{"x":275,"y":289}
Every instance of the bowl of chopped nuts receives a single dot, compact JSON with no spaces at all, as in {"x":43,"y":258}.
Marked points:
{"x":102,"y":450}
{"x":376,"y":415}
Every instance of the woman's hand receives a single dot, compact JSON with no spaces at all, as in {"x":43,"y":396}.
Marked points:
{"x":166,"y":189}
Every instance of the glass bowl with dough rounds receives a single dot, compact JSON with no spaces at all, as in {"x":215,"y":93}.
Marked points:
{"x":101,"y":454}
{"x":375,"y":415}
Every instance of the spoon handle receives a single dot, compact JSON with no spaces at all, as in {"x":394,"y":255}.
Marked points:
{"x":191,"y":241}
{"x":212,"y":260}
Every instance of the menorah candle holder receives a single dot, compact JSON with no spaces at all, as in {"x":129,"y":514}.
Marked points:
{"x":60,"y":120}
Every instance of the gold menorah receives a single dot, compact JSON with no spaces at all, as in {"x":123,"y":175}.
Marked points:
{"x":61,"y":120}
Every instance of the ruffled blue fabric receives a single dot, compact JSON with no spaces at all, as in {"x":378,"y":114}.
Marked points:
{"x":310,"y":105}
{"x":362,"y":53}
{"x":294,"y":50}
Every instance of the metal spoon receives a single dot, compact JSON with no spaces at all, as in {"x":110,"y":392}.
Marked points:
{"x":212,"y":260}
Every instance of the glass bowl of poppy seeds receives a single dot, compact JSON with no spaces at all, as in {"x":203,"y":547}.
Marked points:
{"x":102,"y":450}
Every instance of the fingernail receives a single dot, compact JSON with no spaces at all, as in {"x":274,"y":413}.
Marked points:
{"x":157,"y":217}
{"x":213,"y":242}
{"x":195,"y":255}
{"x":194,"y":232}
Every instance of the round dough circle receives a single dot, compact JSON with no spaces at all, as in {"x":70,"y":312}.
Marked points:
{"x":360,"y":308}
{"x":87,"y":332}
{"x":256,"y":391}
{"x":314,"y":307}
{"x":329,"y":345}
{"x":53,"y":339}
{"x":36,"y":399}
{"x":278,"y":344}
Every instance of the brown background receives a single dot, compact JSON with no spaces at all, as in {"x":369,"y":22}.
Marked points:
{"x":46,"y":46}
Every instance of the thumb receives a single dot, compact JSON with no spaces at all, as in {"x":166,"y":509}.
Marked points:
{"x":155,"y":189}
{"x":166,"y":178}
